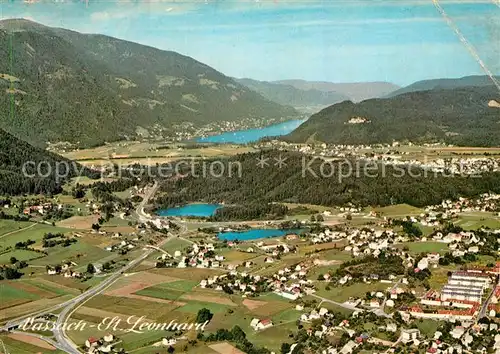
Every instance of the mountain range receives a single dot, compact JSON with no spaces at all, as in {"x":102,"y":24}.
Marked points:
{"x":354,"y":91}
{"x":468,"y":116}
{"x":307,"y":101}
{"x":61,"y":85}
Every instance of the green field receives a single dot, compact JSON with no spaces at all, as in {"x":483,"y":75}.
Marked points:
{"x":428,"y":327}
{"x":51,"y":288}
{"x":195,"y":306}
{"x":175,"y":244}
{"x":398,"y":210}
{"x":10,"y":293}
{"x":18,"y":347}
{"x":7,"y":226}
{"x":20,"y":255}
{"x":79,"y":252}
{"x":34,"y":233}
{"x":343,"y":293}
{"x":478,"y":220}
{"x":424,"y":247}
{"x":161,"y":292}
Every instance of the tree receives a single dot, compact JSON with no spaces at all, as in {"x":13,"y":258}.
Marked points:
{"x":320,"y":218}
{"x":106,"y":266}
{"x":13,"y":260}
{"x":96,"y":227}
{"x":170,"y":349}
{"x":285,"y":348}
{"x":90,"y":268}
{"x":204,"y":315}
{"x":238,"y":334}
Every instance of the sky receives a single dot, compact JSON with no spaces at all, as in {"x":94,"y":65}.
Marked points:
{"x":400,"y":41}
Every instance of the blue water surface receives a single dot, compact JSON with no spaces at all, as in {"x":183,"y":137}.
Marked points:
{"x":252,"y":135}
{"x":201,"y":210}
{"x":255,"y":234}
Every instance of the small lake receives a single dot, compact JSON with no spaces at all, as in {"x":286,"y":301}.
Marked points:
{"x":252,"y":135}
{"x":255,"y":234}
{"x":200,"y":210}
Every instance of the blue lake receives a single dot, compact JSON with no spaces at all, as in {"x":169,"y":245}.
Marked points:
{"x":251,"y":135}
{"x":202,"y":210}
{"x":255,"y":234}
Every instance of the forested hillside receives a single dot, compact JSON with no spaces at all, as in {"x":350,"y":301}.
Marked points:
{"x":442,"y":84}
{"x":251,"y":184}
{"x":459,"y":116}
{"x":25,"y":169}
{"x":61,"y":85}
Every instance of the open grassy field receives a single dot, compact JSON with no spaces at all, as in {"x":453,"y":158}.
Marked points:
{"x":474,"y":221}
{"x":79,"y":252}
{"x":34,"y":233}
{"x":32,"y":306}
{"x":397,"y":210}
{"x":149,"y":153}
{"x":175,"y":244}
{"x":343,"y":293}
{"x":20,"y":255}
{"x":424,"y":247}
{"x":8,"y":226}
{"x":11,"y":294}
{"x":20,"y":347}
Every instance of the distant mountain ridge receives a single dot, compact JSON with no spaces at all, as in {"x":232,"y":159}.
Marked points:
{"x":464,"y":116}
{"x":60,"y":85}
{"x":310,"y":100}
{"x":424,"y":85}
{"x":356,"y":91}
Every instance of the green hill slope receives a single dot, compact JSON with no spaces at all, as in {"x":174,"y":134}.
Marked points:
{"x":460,"y":116}
{"x":435,"y":84}
{"x":25,"y":169}
{"x":60,"y":85}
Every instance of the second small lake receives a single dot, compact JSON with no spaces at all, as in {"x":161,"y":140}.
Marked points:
{"x":199,"y":210}
{"x":255,"y":234}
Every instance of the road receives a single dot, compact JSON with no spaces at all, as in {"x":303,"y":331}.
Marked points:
{"x":349,"y":307}
{"x":143,"y":217}
{"x":16,"y":231}
{"x":484,"y":307}
{"x":59,"y":332}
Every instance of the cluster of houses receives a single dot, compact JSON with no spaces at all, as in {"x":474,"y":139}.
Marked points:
{"x":290,"y":283}
{"x":105,"y":344}
{"x":64,"y":269}
{"x":123,"y":245}
{"x":41,"y":209}
{"x":486,"y":202}
{"x":199,"y":256}
{"x":391,"y":154}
